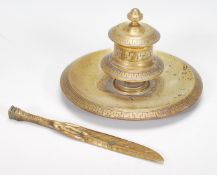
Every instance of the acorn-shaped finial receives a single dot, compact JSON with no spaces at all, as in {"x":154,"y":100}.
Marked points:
{"x":135,"y":16}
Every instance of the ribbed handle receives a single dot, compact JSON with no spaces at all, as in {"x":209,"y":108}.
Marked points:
{"x":20,"y":115}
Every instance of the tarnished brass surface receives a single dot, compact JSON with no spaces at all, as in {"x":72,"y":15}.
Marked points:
{"x":132,"y":59}
{"x":177,"y":88}
{"x":89,"y":136}
{"x":131,"y":82}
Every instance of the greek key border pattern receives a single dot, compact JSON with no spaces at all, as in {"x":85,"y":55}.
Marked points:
{"x":92,"y":107}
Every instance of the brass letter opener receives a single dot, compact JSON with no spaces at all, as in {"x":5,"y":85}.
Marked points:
{"x":89,"y":136}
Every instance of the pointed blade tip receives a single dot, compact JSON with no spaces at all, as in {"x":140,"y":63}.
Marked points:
{"x":159,"y":159}
{"x":155,"y":157}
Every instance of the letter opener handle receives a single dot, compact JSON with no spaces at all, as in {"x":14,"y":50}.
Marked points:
{"x":89,"y":136}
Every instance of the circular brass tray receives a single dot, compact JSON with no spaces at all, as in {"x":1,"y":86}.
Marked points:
{"x":85,"y":84}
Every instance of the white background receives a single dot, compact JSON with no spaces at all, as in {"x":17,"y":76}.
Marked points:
{"x":38,"y":39}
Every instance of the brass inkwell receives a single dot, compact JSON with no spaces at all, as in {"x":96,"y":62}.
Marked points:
{"x":131,"y":82}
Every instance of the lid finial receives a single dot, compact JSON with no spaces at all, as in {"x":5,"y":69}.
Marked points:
{"x":135,"y":16}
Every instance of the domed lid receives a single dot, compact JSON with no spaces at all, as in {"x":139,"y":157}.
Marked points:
{"x":134,"y":33}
